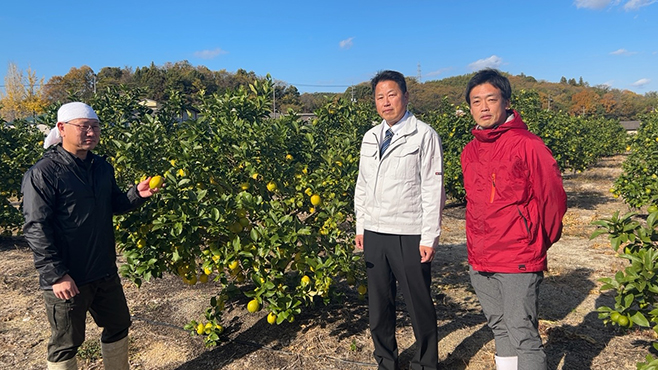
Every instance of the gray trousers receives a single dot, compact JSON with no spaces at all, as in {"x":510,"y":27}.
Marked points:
{"x":510,"y":303}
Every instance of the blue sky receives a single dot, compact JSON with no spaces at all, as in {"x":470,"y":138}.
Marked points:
{"x":327,"y":46}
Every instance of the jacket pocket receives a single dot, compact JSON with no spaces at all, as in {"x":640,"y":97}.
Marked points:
{"x":407,"y":163}
{"x":58,"y":312}
{"x":526,"y":222}
{"x":368,"y":160}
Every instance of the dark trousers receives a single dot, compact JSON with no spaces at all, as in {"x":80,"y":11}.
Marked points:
{"x":105,"y":301}
{"x":390,"y":258}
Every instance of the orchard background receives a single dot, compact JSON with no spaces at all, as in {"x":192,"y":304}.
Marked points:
{"x":262,"y":207}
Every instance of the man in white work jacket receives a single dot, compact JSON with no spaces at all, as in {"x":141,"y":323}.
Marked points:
{"x":398,"y":201}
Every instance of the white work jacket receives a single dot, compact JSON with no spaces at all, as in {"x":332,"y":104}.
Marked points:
{"x":402,"y":192}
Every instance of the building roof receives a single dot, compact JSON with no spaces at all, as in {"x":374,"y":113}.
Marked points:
{"x":630,"y":125}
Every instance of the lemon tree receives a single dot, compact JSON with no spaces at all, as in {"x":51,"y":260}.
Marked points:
{"x":260,"y":207}
{"x":636,"y":287}
{"x":21,"y":145}
{"x":638,"y":183}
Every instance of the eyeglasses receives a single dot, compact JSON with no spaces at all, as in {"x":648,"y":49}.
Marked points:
{"x":86,"y":128}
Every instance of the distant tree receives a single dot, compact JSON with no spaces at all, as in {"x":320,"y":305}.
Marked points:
{"x":584,"y":102}
{"x":23,"y":95}
{"x":312,"y":101}
{"x":629,"y":105}
{"x":78,"y":83}
{"x":581,"y":82}
{"x":609,"y":104}
{"x":651,"y":104}
{"x":152,"y":80}
{"x":290,"y":99}
{"x":572,"y":82}
{"x":563,"y":80}
{"x":114,"y":76}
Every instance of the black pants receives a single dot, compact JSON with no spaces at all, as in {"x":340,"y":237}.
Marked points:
{"x":105,"y":301}
{"x":390,"y":258}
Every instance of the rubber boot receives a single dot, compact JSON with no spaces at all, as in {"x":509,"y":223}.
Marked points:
{"x":70,"y":364}
{"x":507,"y":363}
{"x":115,"y":355}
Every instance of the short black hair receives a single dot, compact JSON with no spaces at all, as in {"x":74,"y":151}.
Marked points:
{"x":492,"y":76}
{"x":387,"y":75}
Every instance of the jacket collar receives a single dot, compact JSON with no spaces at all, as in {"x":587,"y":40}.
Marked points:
{"x":410,"y":127}
{"x":492,"y":134}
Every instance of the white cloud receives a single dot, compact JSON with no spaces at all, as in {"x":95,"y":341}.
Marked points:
{"x":641,"y":82}
{"x":637,"y":4}
{"x":602,"y":4}
{"x":622,"y":51}
{"x":347,"y":43}
{"x":491,"y":62}
{"x":209,"y":54}
{"x":437,"y":72}
{"x":591,"y":4}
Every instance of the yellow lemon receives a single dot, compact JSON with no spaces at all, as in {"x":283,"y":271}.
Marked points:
{"x":253,"y":306}
{"x":271,"y":186}
{"x":316,"y":200}
{"x":182,"y":173}
{"x":244,"y":186}
{"x":305,"y":280}
{"x":200,"y":328}
{"x":208,"y":328}
{"x":141,"y":243}
{"x":271,"y":318}
{"x":362,"y":289}
{"x":156,"y":182}
{"x":203,"y":278}
{"x":288,"y":157}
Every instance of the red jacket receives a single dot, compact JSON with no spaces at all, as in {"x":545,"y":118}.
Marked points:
{"x":515,"y":199}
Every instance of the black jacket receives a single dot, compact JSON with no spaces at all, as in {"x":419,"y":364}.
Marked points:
{"x":68,"y":206}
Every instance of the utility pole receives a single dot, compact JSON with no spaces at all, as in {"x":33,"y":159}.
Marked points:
{"x":549,"y":102}
{"x":419,"y":74}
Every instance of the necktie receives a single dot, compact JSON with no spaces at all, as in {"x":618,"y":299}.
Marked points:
{"x":386,"y":142}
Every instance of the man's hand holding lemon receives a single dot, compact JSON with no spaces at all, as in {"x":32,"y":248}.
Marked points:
{"x":150,"y":186}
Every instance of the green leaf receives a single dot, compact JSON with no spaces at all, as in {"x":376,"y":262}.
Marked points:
{"x":628,"y":301}
{"x":639,"y":319}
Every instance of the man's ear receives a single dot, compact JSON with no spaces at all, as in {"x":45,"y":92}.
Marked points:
{"x":60,"y":127}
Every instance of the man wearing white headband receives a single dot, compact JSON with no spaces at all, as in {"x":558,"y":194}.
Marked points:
{"x":69,"y":198}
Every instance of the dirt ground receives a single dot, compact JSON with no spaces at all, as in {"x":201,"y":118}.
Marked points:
{"x":337,"y":336}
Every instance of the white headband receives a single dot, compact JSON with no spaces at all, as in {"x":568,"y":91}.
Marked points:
{"x":66,"y":113}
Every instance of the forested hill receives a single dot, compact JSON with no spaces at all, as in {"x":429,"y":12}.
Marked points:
{"x":568,"y":95}
{"x":186,"y":81}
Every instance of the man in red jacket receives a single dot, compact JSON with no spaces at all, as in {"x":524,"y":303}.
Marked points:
{"x":515,"y":204}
